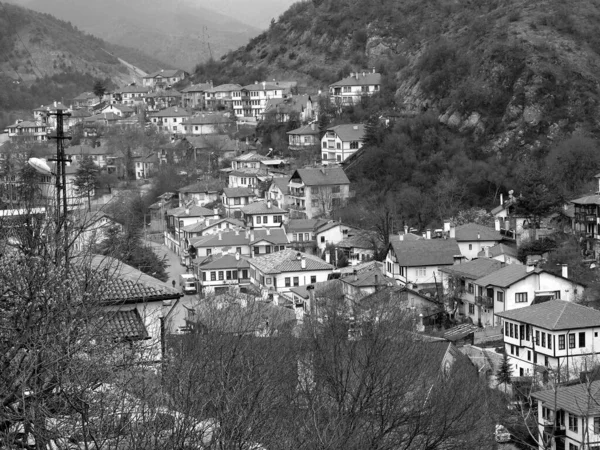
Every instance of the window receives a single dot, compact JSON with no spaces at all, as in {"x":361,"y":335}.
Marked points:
{"x":537,"y":337}
{"x":576,"y":447}
{"x":582,"y":339}
{"x":521,"y":297}
{"x":258,"y":219}
{"x":534,"y":357}
{"x":307,"y":236}
{"x":522,"y":331}
{"x":528,"y":355}
{"x":213,"y":276}
{"x":265,"y":219}
{"x":421,"y":272}
{"x":353,"y":145}
{"x":470,"y":288}
{"x":506,"y":328}
{"x":267,"y":249}
{"x":268,"y":281}
{"x":543,"y":339}
{"x":228,"y":275}
{"x":236,"y":201}
{"x":335,"y":189}
{"x":238,"y":250}
{"x":596,"y":425}
{"x":550,"y":338}
{"x":470,"y":246}
{"x":288,"y":282}
{"x":511,"y":330}
{"x":203,"y":276}
{"x":571,"y":340}
{"x":573,"y":423}
{"x":221,"y":275}
{"x":472,"y":308}
{"x":208,"y":252}
{"x":561,"y":342}
{"x":245,"y":274}
{"x":256,"y":250}
{"x":296,"y":281}
{"x":277,"y":219}
{"x":313,"y":278}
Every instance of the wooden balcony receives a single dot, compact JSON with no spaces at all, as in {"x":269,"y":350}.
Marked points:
{"x":484,"y":301}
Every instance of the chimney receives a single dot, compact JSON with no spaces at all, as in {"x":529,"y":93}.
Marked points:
{"x":264,"y":85}
{"x":187,"y":211}
{"x":247,"y":234}
{"x":269,"y":204}
{"x":478,"y":236}
{"x":303,"y":263}
{"x":497,"y":224}
{"x":327,"y":257}
{"x":565,"y":270}
{"x":216,"y":213}
{"x":237,"y":256}
{"x":268,"y":231}
{"x":446,"y":226}
{"x":405,"y":229}
{"x":374,"y":70}
{"x":530,"y":267}
{"x":501,"y":199}
{"x":401,"y":236}
{"x":363,"y":73}
{"x":355,"y":275}
{"x":252,"y":236}
{"x":220,"y":236}
{"x":486,"y":251}
{"x":312,"y":126}
{"x":237,"y":232}
{"x":428,"y":233}
{"x":298,"y":256}
{"x":452,"y":232}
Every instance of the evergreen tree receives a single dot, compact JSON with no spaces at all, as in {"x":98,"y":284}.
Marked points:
{"x":504,"y":372}
{"x":99,"y":89}
{"x":86,"y":179}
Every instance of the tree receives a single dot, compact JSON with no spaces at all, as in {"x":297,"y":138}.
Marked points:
{"x":86,"y":179}
{"x":99,"y":89}
{"x":504,"y":372}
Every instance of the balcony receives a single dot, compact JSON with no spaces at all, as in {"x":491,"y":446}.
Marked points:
{"x":296,"y":193}
{"x":484,"y":301}
{"x":297,"y":207}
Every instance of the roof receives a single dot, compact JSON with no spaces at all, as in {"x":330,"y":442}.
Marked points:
{"x":262,"y":208}
{"x":288,"y":105}
{"x":268,"y":86}
{"x":281,"y":183}
{"x":250,"y":157}
{"x":587,"y":200}
{"x":322,"y":287}
{"x":473,"y":269}
{"x":226,"y":262}
{"x":349,"y":132}
{"x":133,"y":89}
{"x":425,"y":252}
{"x":362,"y":239}
{"x":125,"y":325}
{"x":374,"y":277}
{"x":294,"y":225}
{"x":555,"y":315}
{"x":192,"y":211}
{"x":102,"y":116}
{"x":321,"y":176}
{"x":238,"y":192}
{"x":500,"y":249}
{"x":227,"y":238}
{"x":580,"y":399}
{"x":196,"y":187}
{"x":476,"y":232}
{"x":310,"y":128}
{"x":288,"y":260}
{"x":85,"y":96}
{"x":200,"y":87}
{"x":360,"y":79}
{"x":167,"y":73}
{"x":228,"y":87}
{"x":207,"y":119}
{"x":275,"y":236}
{"x":173,"y":111}
{"x":87,"y":150}
{"x":506,"y":276}
{"x":199,"y":226}
{"x":460,"y":331}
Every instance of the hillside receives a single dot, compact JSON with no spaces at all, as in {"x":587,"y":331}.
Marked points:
{"x":506,"y":70}
{"x":179,"y":32}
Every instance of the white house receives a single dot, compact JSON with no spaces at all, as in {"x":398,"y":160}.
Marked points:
{"x":164,"y":78}
{"x":206,"y":124}
{"x":193,"y":95}
{"x":131,"y":95}
{"x":332,"y":232}
{"x":170,"y":120}
{"x":351,"y":89}
{"x":517,"y":286}
{"x":179,"y":218}
{"x":222,"y":96}
{"x":304,"y":137}
{"x":276,"y":273}
{"x":263,"y":215}
{"x":234,"y":199}
{"x":253,"y":98}
{"x":317,"y":191}
{"x":211,"y":226}
{"x":501,"y":252}
{"x":473,"y":238}
{"x":555,"y":336}
{"x":420,"y":261}
{"x":341,"y":141}
{"x":221,"y":274}
{"x":197,"y":194}
{"x":278,"y":191}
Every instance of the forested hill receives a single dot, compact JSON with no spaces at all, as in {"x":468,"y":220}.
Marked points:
{"x":44,"y":59}
{"x":505,"y":78}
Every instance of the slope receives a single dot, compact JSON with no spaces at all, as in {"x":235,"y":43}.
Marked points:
{"x":177,"y":32}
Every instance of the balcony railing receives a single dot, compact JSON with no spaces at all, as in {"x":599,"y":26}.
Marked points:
{"x":296,"y":192}
{"x":485,"y":301}
{"x":297,"y":207}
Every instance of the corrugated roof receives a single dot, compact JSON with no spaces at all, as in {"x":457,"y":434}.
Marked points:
{"x":349,"y":132}
{"x":506,"y":276}
{"x":322,"y":176}
{"x":238,"y":192}
{"x":287,"y":261}
{"x":555,"y":315}
{"x":473,"y":269}
{"x":580,"y":399}
{"x":262,"y":208}
{"x":474,"y":232}
{"x":425,"y":252}
{"x":368,"y":79}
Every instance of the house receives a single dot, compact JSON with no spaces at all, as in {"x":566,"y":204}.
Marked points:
{"x":278,"y":191}
{"x":222,"y":97}
{"x":557,"y":336}
{"x":76,"y":118}
{"x":145,"y":165}
{"x":170,"y":120}
{"x":206,"y":124}
{"x":331,"y":232}
{"x":211,"y":226}
{"x":28,"y":131}
{"x":213,"y":148}
{"x":268,"y":240}
{"x":119,"y":110}
{"x":419,"y":262}
{"x":85,"y":100}
{"x":92,"y":228}
{"x":263,"y":215}
{"x":473,"y":238}
{"x":193,"y":96}
{"x":92,"y":123}
{"x":293,"y":107}
{"x":162,"y":99}
{"x":164,"y":78}
{"x":459,"y":285}
{"x":568,"y":416}
{"x":311,"y":298}
{"x":317,"y":191}
{"x":517,"y":286}
{"x":234,"y":199}
{"x":500,"y":252}
{"x":351,"y":89}
{"x":360,"y":247}
{"x":587,"y":214}
{"x":276,"y":273}
{"x":222,"y":274}
{"x":341,"y":141}
{"x":197,"y":194}
{"x":359,"y":285}
{"x":301,"y":234}
{"x":246,"y":170}
{"x":100,"y":155}
{"x":306,"y":136}
{"x":178,"y":218}
{"x":253,"y":98}
{"x":132,"y":95}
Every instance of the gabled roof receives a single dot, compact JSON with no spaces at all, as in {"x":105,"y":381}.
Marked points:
{"x":267,"y":86}
{"x":192,"y":211}
{"x":322,"y":287}
{"x":349,"y":132}
{"x":281,"y":183}
{"x":311,"y":128}
{"x":362,"y":239}
{"x":200,"y":87}
{"x":214,"y":142}
{"x":238,"y":192}
{"x":226,"y":262}
{"x":593,"y":199}
{"x":425,"y":252}
{"x":275,"y":236}
{"x":133,"y":89}
{"x":225,"y":88}
{"x":499,"y":249}
{"x":476,"y":232}
{"x":85,"y":96}
{"x":207,"y":119}
{"x":580,"y":399}
{"x":292,"y":104}
{"x":200,"y":226}
{"x":359,"y":79}
{"x":80,"y":113}
{"x":555,"y":315}
{"x":506,"y":276}
{"x":196,"y":187}
{"x":322,"y":176}
{"x":173,"y":111}
{"x":288,"y":260}
{"x":295,"y":225}
{"x":262,"y":208}
{"x":227,"y":238}
{"x":109,"y":116}
{"x":473,"y":269}
{"x":374,"y":277}
{"x":250,"y":157}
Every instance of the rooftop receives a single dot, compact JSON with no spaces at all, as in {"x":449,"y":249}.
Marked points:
{"x":238,"y":192}
{"x":192,"y":211}
{"x":321,"y":176}
{"x":226,"y":262}
{"x":262,"y":208}
{"x":580,"y":399}
{"x":476,"y":232}
{"x":506,"y":276}
{"x":349,"y":132}
{"x":374,"y":277}
{"x":500,"y":249}
{"x":311,"y":128}
{"x":288,"y":260}
{"x":360,"y":79}
{"x":555,"y":315}
{"x":473,"y":269}
{"x":425,"y":252}
{"x":173,"y":111}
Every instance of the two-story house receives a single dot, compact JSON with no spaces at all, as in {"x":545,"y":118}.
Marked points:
{"x":517,"y":286}
{"x":362,"y":246}
{"x":568,"y":416}
{"x":317,"y":191}
{"x":278,"y":272}
{"x":306,"y":136}
{"x":178,"y":218}
{"x":351,"y":89}
{"x":132,"y":95}
{"x":587,"y":216}
{"x":100,"y":155}
{"x":211,"y":226}
{"x":85,"y":100}
{"x":162,"y":99}
{"x":197,"y":194}
{"x":246,"y":170}
{"x":459,"y":285}
{"x":555,"y":336}
{"x":419,"y":261}
{"x":501,"y":252}
{"x":341,"y":141}
{"x":253,"y":98}
{"x":473,"y":238}
{"x":359,"y":285}
{"x":206,"y":124}
{"x":164,"y":78}
{"x":299,"y":107}
{"x":170,"y":120}
{"x":222,"y":97}
{"x":302,"y":234}
{"x":263,"y":215}
{"x":278,"y":191}
{"x":221,"y":274}
{"x":331,"y":232}
{"x":28,"y":131}
{"x":234,"y":199}
{"x":193,"y":96}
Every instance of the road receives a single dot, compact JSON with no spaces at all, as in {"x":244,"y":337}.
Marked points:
{"x":175,"y":269}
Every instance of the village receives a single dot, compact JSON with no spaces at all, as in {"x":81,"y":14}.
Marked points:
{"x":255,"y":225}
